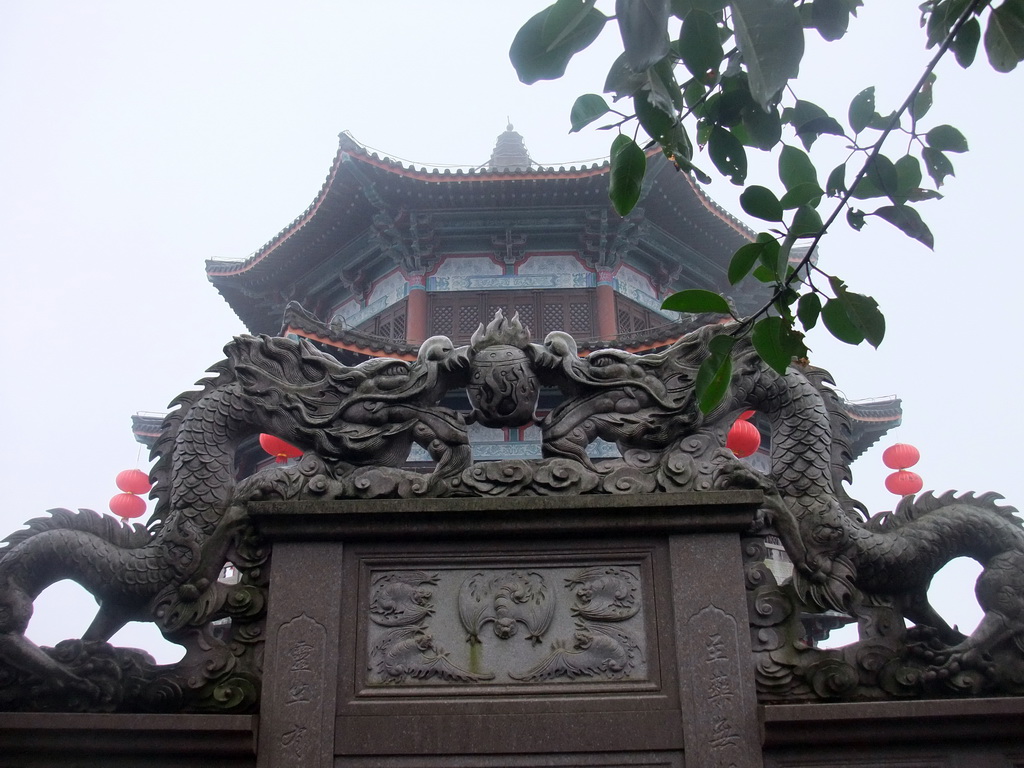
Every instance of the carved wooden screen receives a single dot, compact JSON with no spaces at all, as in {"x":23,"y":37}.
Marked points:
{"x":634,"y":319}
{"x":389,"y":324}
{"x":458,"y":314}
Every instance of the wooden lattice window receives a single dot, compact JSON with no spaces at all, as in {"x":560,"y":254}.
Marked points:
{"x":635,"y":319}
{"x":469,"y":319}
{"x":542,"y":311}
{"x":389,"y":324}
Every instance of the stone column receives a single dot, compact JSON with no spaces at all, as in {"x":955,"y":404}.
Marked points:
{"x":416,"y":309}
{"x":716,"y":687}
{"x":607,"y":324}
{"x":301,"y":668}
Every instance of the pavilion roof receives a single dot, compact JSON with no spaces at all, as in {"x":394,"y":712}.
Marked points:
{"x":367,"y":192}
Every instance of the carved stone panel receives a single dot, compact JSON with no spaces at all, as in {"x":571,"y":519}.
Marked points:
{"x":505,"y":623}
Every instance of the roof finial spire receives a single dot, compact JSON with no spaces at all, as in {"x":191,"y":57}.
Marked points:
{"x":510,"y":151}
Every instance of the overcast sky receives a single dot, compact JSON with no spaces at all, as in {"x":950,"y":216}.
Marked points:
{"x":140,"y":139}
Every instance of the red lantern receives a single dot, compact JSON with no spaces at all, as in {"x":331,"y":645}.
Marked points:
{"x":901,"y":456}
{"x":133,"y":481}
{"x":743,"y":439}
{"x":903,"y":482}
{"x":278,"y":448}
{"x":747,"y":414}
{"x":127,"y":505}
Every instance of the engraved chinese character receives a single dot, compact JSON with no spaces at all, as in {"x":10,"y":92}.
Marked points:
{"x":298,"y":693}
{"x":294,"y":739}
{"x":720,"y":686}
{"x":715,"y":647}
{"x":723,"y":735}
{"x":299,"y":653}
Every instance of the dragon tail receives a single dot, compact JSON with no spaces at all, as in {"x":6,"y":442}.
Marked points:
{"x":913,"y":508}
{"x":104,"y":526}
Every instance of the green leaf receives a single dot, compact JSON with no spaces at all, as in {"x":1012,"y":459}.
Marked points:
{"x":665,"y":90}
{"x":881,"y":172}
{"x":862,"y":109}
{"x":586,"y":109}
{"x":836,"y":184}
{"x":776,"y":343}
{"x":810,"y":121}
{"x":743,"y":261}
{"x":938,"y":165}
{"x":919,"y":194}
{"x":655,"y":121}
{"x":802,"y":112}
{"x":628,"y":164}
{"x":795,"y":168}
{"x":908,"y":221}
{"x":922,"y":101}
{"x":943,"y":15}
{"x":965,"y":44}
{"x":806,"y":221}
{"x":811,"y":130}
{"x":946,"y":138}
{"x":682,"y":7}
{"x":908,"y":174}
{"x":728,"y":155}
{"x":764,"y":128}
{"x":839,"y":324}
{"x":693,"y":93}
{"x":1004,"y":36}
{"x":808,"y":309}
{"x":696,"y":301}
{"x":862,"y":312}
{"x":700,"y":44}
{"x":761,"y":202}
{"x":623,"y":81}
{"x":715,"y":373}
{"x":643,"y":25}
{"x":855,"y":218}
{"x":882,"y":123}
{"x":764,"y":274}
{"x":866,"y":189}
{"x":686,"y":166}
{"x":771,"y":41}
{"x":831,"y":18}
{"x":807,"y":193}
{"x":545,"y":44}
{"x":773,"y":257}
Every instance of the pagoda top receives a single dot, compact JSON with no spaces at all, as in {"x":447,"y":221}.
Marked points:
{"x":510,"y":152}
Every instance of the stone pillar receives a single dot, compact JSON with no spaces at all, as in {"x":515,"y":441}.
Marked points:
{"x":416,"y":309}
{"x":301,"y":667}
{"x":716,"y":687}
{"x":607,"y":325}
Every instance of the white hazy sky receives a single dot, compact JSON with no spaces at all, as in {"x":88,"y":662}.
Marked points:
{"x":140,"y":139}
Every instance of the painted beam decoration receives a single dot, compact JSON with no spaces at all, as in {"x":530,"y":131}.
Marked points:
{"x":356,"y":426}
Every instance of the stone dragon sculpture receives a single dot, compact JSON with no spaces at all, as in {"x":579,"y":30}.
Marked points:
{"x":357,"y":425}
{"x":368,"y":414}
{"x":876,"y":569}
